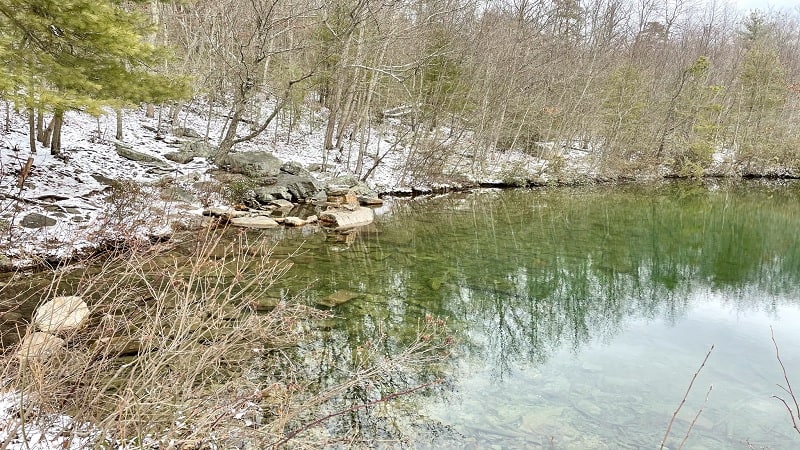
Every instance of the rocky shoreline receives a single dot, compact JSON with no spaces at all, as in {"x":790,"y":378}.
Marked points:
{"x":102,"y":195}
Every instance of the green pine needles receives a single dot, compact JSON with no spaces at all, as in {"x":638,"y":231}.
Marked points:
{"x":80,"y":54}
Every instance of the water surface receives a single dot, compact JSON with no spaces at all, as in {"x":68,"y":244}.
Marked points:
{"x":581,"y":314}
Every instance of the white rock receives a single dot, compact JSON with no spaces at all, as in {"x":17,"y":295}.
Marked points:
{"x":346,"y":218}
{"x":61,"y":313}
{"x":39,"y":345}
{"x":294,"y":221}
{"x":254,"y":222}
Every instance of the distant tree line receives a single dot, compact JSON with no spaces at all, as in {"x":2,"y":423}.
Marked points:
{"x":638,"y":84}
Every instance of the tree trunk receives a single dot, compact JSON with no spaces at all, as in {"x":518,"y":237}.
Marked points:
{"x":150,"y":111}
{"x":174,"y":112}
{"x":32,"y":130}
{"x":226,"y":144}
{"x":118,"y":135}
{"x":58,"y":120}
{"x":39,"y":125}
{"x":7,"y":125}
{"x":48,"y":133}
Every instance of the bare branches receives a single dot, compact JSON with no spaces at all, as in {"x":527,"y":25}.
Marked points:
{"x":794,"y":413}
{"x":683,"y":401}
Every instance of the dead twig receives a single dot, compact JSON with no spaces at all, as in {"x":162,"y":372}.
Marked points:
{"x":683,"y":401}
{"x":793,"y":414}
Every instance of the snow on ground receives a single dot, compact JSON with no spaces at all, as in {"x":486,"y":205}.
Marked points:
{"x":42,"y":432}
{"x":74,"y":188}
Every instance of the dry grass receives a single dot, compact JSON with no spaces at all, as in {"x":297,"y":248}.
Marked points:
{"x":175,"y":355}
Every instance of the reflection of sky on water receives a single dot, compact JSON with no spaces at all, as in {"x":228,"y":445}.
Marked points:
{"x":622,"y":393}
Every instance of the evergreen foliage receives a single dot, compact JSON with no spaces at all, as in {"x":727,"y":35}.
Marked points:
{"x":79,"y":54}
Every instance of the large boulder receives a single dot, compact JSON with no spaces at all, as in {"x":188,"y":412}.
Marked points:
{"x":190,"y":150}
{"x":347,"y":217}
{"x":252,"y":164}
{"x":61,"y":314}
{"x":301,"y":188}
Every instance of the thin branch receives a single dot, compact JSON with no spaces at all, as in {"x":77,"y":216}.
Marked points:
{"x":794,"y":415}
{"x":275,"y":112}
{"x":683,"y":401}
{"x":697,"y":416}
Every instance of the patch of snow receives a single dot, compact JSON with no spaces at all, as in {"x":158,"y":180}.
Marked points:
{"x":42,"y":432}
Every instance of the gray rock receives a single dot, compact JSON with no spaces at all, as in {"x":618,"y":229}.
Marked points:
{"x":186,"y":132}
{"x":347,"y":218}
{"x":269,"y":194}
{"x":129,"y":153}
{"x":254,"y":222}
{"x":226,"y":213}
{"x":337,"y":189}
{"x":344,"y":180}
{"x":102,"y":179}
{"x":320,"y":197}
{"x":180,"y":157}
{"x":361,"y":189}
{"x":199,"y":148}
{"x":252,"y":164}
{"x":36,"y":220}
{"x":301,"y":188}
{"x":60,"y":314}
{"x":293,"y":168}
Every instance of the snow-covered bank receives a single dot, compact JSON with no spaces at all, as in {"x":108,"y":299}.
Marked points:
{"x":90,"y":194}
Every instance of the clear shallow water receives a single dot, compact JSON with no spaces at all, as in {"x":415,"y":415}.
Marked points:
{"x":582,"y":314}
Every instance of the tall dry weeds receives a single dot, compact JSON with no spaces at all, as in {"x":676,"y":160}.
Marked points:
{"x":177,"y":355}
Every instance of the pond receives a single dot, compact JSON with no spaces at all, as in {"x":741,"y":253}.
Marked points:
{"x":581,"y":314}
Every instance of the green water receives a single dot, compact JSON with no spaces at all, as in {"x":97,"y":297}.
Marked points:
{"x":581,"y":314}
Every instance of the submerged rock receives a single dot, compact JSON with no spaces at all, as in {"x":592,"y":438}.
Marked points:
{"x":61,"y":314}
{"x":337,"y":298}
